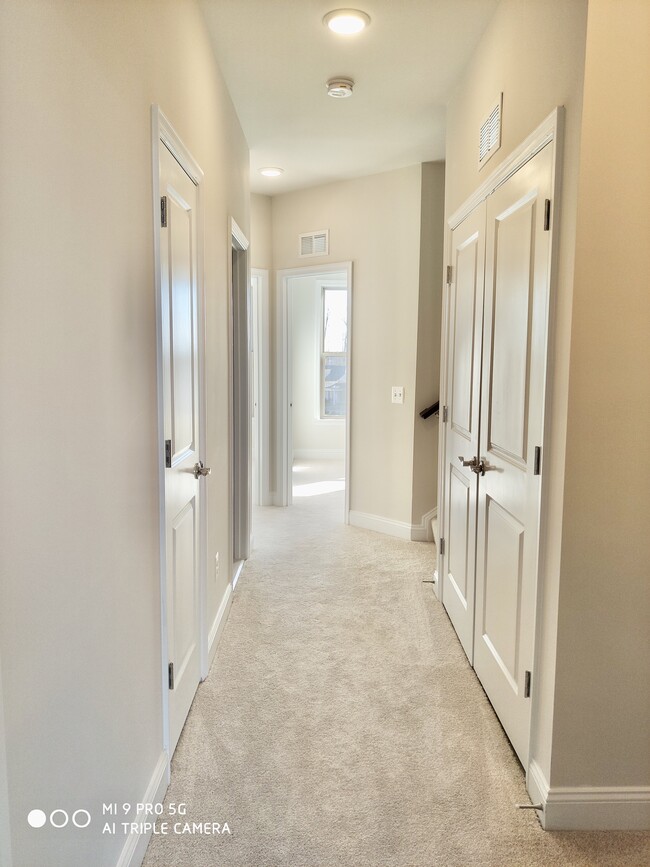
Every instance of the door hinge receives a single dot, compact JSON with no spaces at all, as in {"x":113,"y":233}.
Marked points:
{"x":537,"y":466}
{"x":527,"y":685}
{"x":163,"y":212}
{"x":547,"y":215}
{"x":450,"y":272}
{"x":168,"y":453}
{"x":445,"y":414}
{"x":441,"y":548}
{"x":171,"y":675}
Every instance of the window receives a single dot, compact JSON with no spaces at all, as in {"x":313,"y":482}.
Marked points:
{"x":334,"y":347}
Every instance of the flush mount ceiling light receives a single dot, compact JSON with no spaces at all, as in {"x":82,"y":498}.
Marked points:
{"x":340,"y":88}
{"x":346,"y":21}
{"x":271,"y":171}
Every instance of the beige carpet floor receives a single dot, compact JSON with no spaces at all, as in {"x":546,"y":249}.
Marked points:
{"x":341,"y":725}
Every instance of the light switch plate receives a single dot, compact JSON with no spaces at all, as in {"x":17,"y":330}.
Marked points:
{"x":397,"y":394}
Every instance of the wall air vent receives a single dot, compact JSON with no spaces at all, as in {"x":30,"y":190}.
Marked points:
{"x":490,"y":135}
{"x":314,"y":243}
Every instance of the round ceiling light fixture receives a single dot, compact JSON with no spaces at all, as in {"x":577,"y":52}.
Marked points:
{"x":340,"y":88}
{"x":346,"y":21}
{"x":271,"y":171}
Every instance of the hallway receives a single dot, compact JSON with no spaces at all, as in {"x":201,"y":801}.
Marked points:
{"x":341,"y":724}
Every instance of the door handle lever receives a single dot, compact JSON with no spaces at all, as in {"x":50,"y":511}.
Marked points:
{"x":475,"y":465}
{"x":200,"y":470}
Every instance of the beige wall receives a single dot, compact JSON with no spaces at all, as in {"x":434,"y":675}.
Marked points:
{"x":79,"y":596}
{"x":601,"y":734}
{"x":261,"y":232}
{"x":427,"y":387}
{"x":533,"y":52}
{"x":374,"y":222}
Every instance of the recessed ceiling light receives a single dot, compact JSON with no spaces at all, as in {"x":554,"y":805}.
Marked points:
{"x":340,"y":88}
{"x":271,"y":171}
{"x":346,"y":21}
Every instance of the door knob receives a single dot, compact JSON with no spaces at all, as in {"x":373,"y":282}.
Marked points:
{"x":200,"y":470}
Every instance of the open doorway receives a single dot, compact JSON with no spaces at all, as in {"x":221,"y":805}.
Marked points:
{"x":315,"y":306}
{"x":240,"y":480}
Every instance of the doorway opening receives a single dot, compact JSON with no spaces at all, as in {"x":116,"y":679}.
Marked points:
{"x":260,"y":385}
{"x":314,"y":363}
{"x":241,"y":483}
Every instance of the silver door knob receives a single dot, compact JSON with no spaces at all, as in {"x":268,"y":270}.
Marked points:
{"x":471,"y":463}
{"x":200,"y":470}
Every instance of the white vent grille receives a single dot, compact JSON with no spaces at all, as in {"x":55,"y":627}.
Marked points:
{"x":490,"y":135}
{"x":314,"y":243}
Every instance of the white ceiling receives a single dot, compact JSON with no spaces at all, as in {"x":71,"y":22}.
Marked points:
{"x":276,"y":56}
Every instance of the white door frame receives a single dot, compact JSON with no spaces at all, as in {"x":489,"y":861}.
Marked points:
{"x":550,"y":131}
{"x":240,"y":494}
{"x":284,"y":457}
{"x":164,"y":134}
{"x":262,"y":355}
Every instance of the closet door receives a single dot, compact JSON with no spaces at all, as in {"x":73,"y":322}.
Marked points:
{"x":512,"y":403}
{"x":465,"y":313}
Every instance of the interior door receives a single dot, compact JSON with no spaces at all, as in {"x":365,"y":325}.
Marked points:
{"x":465,"y":311}
{"x":512,"y":401}
{"x":179,"y":290}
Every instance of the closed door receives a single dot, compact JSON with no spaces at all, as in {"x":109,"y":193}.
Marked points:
{"x":179,"y":297}
{"x":512,"y":402}
{"x":465,"y":322}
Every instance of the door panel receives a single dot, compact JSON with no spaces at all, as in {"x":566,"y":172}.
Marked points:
{"x":508,"y":394}
{"x":512,"y":397}
{"x":463,"y":401}
{"x":500,"y":615}
{"x":179,"y":294}
{"x":182,"y":350}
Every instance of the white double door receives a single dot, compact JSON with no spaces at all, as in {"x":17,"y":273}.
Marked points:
{"x":496,"y":361}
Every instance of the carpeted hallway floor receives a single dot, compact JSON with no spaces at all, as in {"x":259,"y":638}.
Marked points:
{"x":341,"y":725}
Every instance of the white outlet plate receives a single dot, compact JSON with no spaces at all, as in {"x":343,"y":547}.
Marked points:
{"x":397,"y":394}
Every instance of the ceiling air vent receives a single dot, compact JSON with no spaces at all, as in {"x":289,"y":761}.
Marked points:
{"x":490,"y":135}
{"x":315,"y":243}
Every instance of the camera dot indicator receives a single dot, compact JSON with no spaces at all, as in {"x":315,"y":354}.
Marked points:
{"x":36,"y":818}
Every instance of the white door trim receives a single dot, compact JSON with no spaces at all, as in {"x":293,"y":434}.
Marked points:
{"x":551,"y":129}
{"x":163,"y":132}
{"x":263,"y":358}
{"x":283,"y":362}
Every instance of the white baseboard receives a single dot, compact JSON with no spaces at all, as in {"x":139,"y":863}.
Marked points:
{"x":381,"y":525}
{"x":589,"y":808}
{"x":216,"y":630}
{"x":318,"y":454}
{"x":422,"y":532}
{"x":135,"y":846}
{"x":399,"y":529}
{"x":237,"y":570}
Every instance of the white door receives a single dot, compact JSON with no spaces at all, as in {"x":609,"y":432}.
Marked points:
{"x":512,"y":400}
{"x":465,"y":322}
{"x":179,"y":297}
